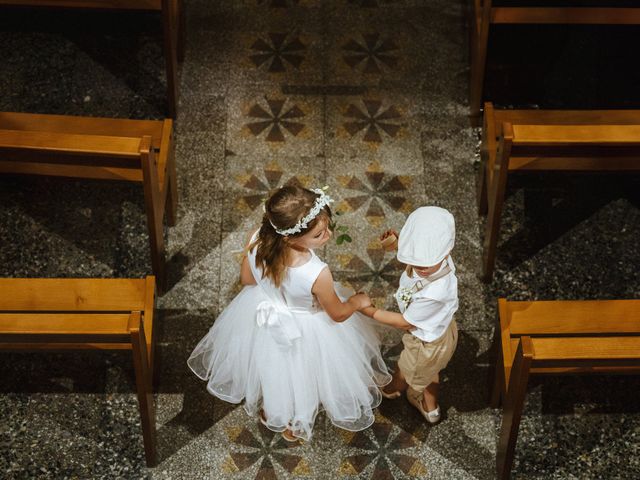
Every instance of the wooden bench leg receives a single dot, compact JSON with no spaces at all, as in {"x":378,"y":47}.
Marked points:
{"x":483,"y":203}
{"x":513,"y":405}
{"x":498,"y":383}
{"x":479,"y":59}
{"x":154,"y":211}
{"x":182,"y":25}
{"x":496,"y":201}
{"x":156,"y":242}
{"x":483,"y":175}
{"x":144,"y":390}
{"x":170,"y":27}
{"x":172,"y":185}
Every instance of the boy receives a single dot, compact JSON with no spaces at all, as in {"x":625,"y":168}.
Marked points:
{"x":427,"y":298}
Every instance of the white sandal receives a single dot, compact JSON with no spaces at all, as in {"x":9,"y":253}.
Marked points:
{"x":432,"y":417}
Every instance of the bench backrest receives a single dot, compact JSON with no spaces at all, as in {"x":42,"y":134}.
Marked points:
{"x":583,"y":317}
{"x":71,"y":294}
{"x":569,"y":147}
{"x":71,"y":124}
{"x":569,"y":325}
{"x":83,"y":147}
{"x":74,"y":313}
{"x":550,"y":352}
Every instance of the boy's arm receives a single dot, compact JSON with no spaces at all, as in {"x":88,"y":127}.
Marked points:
{"x":388,"y":318}
{"x":326,"y":294}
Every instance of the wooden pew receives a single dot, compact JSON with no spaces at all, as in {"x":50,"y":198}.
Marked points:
{"x":140,"y":151}
{"x":173,"y":21}
{"x":38,"y":314}
{"x":553,"y":338}
{"x":484,"y":15}
{"x":548,"y":140}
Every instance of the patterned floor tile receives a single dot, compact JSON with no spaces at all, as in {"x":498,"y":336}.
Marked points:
{"x":249,"y":181}
{"x":372,"y":125}
{"x":264,"y":123}
{"x":278,"y":55}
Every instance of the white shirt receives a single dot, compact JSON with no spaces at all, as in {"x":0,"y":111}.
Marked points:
{"x":431,"y":308}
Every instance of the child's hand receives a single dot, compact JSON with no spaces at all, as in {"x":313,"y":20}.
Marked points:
{"x":389,"y":240}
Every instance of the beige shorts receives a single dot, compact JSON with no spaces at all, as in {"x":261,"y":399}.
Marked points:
{"x":421,"y":361}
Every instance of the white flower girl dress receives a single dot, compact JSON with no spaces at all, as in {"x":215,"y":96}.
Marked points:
{"x":278,"y":350}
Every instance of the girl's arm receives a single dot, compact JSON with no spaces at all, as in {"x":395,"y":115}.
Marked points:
{"x":325,"y":293}
{"x":246,"y":276}
{"x":388,"y":318}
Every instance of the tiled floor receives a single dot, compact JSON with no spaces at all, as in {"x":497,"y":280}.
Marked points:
{"x":369,"y":98}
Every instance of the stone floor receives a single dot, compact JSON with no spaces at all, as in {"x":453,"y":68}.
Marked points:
{"x":370,"y":98}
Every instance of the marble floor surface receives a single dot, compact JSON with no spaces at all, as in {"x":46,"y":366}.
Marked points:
{"x":368,"y":97}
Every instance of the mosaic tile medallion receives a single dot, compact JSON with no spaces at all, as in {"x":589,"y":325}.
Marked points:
{"x":371,"y":53}
{"x":275,"y":52}
{"x":384,"y":126}
{"x":249,"y":447}
{"x":271,"y":124}
{"x":371,"y":121}
{"x":368,"y":191}
{"x":370,"y":58}
{"x":379,"y":452}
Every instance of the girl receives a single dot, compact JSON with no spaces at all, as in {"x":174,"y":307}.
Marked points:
{"x":288,"y":343}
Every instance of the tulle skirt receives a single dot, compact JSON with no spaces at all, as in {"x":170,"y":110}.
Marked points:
{"x":335,"y":367}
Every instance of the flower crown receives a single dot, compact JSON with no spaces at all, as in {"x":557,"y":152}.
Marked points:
{"x":322,"y":201}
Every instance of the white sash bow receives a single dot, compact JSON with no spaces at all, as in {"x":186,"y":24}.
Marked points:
{"x":273,"y":312}
{"x":280,"y":322}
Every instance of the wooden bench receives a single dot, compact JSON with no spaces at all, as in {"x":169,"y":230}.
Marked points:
{"x":484,"y":15}
{"x":38,"y":314}
{"x":548,"y":140}
{"x":173,"y":19}
{"x":553,"y":338}
{"x":140,"y":151}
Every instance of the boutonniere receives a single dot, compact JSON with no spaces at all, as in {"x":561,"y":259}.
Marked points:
{"x":405,"y":294}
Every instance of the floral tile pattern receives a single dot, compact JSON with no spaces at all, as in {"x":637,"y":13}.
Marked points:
{"x":271,"y":124}
{"x":266,"y":447}
{"x":381,"y":450}
{"x":373,"y":125}
{"x":371,"y":53}
{"x":378,"y":187}
{"x":278,"y":51}
{"x":371,"y":118}
{"x":275,"y":119}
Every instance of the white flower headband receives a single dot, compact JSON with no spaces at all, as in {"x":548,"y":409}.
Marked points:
{"x":322,"y":201}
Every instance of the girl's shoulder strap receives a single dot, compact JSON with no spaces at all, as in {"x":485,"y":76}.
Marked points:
{"x":313,"y":267}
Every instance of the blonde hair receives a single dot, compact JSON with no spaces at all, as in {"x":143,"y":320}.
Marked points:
{"x":283,"y":209}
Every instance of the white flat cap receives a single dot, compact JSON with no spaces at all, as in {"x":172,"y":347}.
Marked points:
{"x":427,"y":237}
